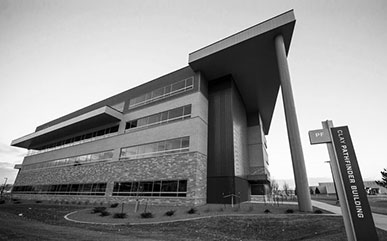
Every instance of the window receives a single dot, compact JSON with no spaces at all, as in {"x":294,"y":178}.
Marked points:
{"x":164,"y":188}
{"x":156,"y":148}
{"x":161,"y":93}
{"x":75,"y":161}
{"x":179,"y":113}
{"x":63,"y":189}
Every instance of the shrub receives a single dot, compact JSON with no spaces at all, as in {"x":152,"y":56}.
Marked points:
{"x":99,"y":209}
{"x":192,"y":211}
{"x":289,"y":211}
{"x":2,"y":201}
{"x":235,"y":209}
{"x":119,"y":215}
{"x":104,"y":213}
{"x":114,"y":205}
{"x":318,"y":211}
{"x":267,"y":211}
{"x":146,"y":215}
{"x":170,"y":213}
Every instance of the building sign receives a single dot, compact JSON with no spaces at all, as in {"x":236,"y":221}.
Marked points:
{"x":359,"y":208}
{"x":319,"y":136}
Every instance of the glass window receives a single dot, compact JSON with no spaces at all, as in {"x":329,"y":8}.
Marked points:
{"x":135,"y":186}
{"x":185,"y":142}
{"x":167,"y":89}
{"x":87,"y":188}
{"x":189,"y":82}
{"x":146,"y":186}
{"x":157,"y":93}
{"x":187,"y":110}
{"x":173,"y":144}
{"x":161,"y":146}
{"x":182,"y":185}
{"x":150,"y":148}
{"x":178,"y":86}
{"x":142,"y":121}
{"x":154,"y":119}
{"x":169,"y":186}
{"x":175,"y":113}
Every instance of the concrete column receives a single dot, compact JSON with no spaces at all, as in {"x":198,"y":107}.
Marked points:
{"x":299,"y":170}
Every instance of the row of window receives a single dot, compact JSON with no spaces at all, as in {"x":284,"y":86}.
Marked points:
{"x":162,"y":117}
{"x":63,"y":189}
{"x":170,"y":188}
{"x":75,"y":161}
{"x":86,"y":136}
{"x":162,"y":92}
{"x":156,"y":148}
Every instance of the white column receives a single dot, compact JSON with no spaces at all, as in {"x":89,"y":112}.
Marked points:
{"x":299,"y":169}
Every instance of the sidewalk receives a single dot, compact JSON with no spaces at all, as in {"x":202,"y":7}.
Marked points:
{"x":380,"y":220}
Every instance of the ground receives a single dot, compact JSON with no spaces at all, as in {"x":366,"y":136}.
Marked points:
{"x":44,"y":221}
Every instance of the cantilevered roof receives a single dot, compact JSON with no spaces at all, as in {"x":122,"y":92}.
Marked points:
{"x":250,"y":57}
{"x":89,"y":120}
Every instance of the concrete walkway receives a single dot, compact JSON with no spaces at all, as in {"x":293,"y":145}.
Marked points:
{"x":380,"y":220}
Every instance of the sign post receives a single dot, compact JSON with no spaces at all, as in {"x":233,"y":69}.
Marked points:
{"x":358,"y":221}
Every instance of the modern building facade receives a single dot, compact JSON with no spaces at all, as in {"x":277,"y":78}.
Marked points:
{"x":191,"y":137}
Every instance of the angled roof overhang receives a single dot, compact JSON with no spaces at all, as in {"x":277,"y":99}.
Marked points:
{"x":93,"y":119}
{"x":250,"y":57}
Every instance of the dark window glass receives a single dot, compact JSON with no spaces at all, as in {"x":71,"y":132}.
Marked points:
{"x":114,"y":129}
{"x":116,"y":187}
{"x":125,"y":187}
{"x":135,"y":186}
{"x":88,"y":135}
{"x":100,"y":132}
{"x":169,"y":186}
{"x":87,"y":187}
{"x":182,"y":185}
{"x":146,"y":186}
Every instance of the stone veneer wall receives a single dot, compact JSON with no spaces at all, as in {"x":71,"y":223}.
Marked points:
{"x":191,"y":166}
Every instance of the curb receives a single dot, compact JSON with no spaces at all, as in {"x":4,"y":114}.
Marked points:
{"x":180,"y":220}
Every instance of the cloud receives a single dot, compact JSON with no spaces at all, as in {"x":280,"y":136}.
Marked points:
{"x":6,"y":165}
{"x":7,"y":149}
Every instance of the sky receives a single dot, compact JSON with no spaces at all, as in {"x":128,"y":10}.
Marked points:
{"x":60,"y":56}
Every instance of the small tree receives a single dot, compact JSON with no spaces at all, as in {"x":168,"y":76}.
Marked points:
{"x":274,"y":186}
{"x":383,"y":182}
{"x":286,"y":188}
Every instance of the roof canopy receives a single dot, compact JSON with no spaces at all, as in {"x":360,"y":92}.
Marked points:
{"x":99,"y":117}
{"x":250,"y":57}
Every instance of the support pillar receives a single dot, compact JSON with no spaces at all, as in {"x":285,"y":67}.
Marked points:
{"x":299,"y":170}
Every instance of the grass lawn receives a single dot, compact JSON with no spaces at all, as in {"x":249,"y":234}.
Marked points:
{"x":44,"y":221}
{"x":378,"y":203}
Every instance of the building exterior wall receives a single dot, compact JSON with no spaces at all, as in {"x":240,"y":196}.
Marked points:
{"x":190,"y":166}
